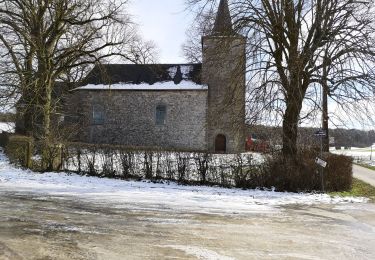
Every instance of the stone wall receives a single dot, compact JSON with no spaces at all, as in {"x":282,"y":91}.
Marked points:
{"x":223,"y":70}
{"x":130,"y":118}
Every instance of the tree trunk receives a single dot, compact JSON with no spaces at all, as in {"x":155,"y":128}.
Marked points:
{"x":28,"y":119}
{"x":290,"y":125}
{"x":47,"y":113}
{"x":48,"y":154}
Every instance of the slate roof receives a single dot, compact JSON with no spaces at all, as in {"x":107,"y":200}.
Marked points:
{"x":143,"y":73}
{"x":223,"y":23}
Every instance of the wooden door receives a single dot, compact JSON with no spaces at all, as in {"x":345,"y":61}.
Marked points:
{"x":220,"y":144}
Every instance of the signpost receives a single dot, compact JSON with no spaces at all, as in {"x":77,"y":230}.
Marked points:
{"x":321,"y":133}
{"x":323,"y":164}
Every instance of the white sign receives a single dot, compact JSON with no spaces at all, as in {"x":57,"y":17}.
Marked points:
{"x":321,"y":162}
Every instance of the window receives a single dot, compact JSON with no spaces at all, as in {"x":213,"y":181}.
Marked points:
{"x":97,"y":115}
{"x":161,"y":113}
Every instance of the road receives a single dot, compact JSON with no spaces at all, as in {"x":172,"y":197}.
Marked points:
{"x":364,"y":174}
{"x":42,"y":226}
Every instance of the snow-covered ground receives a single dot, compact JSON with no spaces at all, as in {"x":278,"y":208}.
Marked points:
{"x":140,"y":195}
{"x":367,"y":155}
{"x":7,"y":127}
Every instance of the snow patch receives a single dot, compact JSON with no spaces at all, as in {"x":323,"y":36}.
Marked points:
{"x":185,"y":71}
{"x":157,"y":196}
{"x":200,"y":253}
{"x":364,"y":155}
{"x":172,"y":71}
{"x":7,"y":127}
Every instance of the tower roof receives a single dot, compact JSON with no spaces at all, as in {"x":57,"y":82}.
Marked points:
{"x":223,"y":23}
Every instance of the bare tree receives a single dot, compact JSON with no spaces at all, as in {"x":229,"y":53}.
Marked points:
{"x":142,"y":52}
{"x":192,"y":47}
{"x":296,"y":48}
{"x":43,"y":41}
{"x":46,"y":41}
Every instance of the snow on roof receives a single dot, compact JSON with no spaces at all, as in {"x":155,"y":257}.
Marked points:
{"x":185,"y":70}
{"x":166,"y":85}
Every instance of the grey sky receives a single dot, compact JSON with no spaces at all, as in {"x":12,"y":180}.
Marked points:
{"x":165,"y":22}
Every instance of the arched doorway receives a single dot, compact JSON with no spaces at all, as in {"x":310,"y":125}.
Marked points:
{"x":220,"y":144}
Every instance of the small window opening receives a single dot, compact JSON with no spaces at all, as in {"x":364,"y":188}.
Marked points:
{"x":161,"y":113}
{"x":98,"y":115}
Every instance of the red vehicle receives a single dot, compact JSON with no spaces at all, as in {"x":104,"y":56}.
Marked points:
{"x":257,"y":145}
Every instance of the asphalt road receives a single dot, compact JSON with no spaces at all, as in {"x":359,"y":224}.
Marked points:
{"x":36,"y":226}
{"x":364,"y":174}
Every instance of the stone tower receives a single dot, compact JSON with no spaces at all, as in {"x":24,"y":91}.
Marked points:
{"x":223,"y":70}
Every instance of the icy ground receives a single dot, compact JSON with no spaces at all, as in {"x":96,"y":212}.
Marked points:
{"x":146,"y":195}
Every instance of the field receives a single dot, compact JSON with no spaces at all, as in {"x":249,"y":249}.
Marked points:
{"x":364,"y":156}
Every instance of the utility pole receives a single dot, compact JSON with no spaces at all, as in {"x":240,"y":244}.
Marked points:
{"x":325,"y":117}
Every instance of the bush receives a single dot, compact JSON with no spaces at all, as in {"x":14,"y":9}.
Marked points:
{"x":20,"y":150}
{"x":246,"y":173}
{"x":127,"y":163}
{"x":338,"y":176}
{"x":240,"y":171}
{"x":107,"y":158}
{"x":303,"y":174}
{"x":182,"y":167}
{"x":51,"y":157}
{"x":202,"y":161}
{"x":147,"y":165}
{"x":4,"y":138}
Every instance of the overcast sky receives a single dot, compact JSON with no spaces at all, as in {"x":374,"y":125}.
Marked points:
{"x":165,"y":22}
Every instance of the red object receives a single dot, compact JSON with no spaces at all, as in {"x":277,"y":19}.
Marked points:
{"x":256,"y":145}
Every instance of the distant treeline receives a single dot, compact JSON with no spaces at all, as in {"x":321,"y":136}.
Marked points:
{"x":342,"y":137}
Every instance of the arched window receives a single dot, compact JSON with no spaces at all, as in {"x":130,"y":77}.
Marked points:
{"x":98,"y":114}
{"x":220,"y":144}
{"x":161,"y":114}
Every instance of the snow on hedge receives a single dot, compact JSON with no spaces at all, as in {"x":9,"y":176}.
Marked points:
{"x":7,"y":127}
{"x":146,"y":195}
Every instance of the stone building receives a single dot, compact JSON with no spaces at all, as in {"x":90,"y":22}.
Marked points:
{"x":195,"y":107}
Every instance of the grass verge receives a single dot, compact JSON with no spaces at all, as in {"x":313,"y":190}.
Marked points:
{"x":359,"y":189}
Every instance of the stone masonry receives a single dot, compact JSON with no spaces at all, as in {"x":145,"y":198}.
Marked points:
{"x":223,"y":70}
{"x":130,"y":118}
